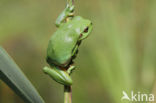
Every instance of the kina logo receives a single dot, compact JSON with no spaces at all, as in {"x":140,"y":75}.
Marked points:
{"x":140,"y":97}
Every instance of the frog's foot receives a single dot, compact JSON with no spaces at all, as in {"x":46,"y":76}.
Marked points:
{"x":58,"y":75}
{"x":70,"y":69}
{"x":66,"y":15}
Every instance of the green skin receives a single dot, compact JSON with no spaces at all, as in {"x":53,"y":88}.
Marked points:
{"x":64,"y":43}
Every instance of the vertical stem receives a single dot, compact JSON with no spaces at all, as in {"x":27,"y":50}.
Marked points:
{"x":68,"y":89}
{"x":70,"y":2}
{"x":67,"y":94}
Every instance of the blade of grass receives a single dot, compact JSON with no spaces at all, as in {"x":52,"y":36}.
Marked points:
{"x":11,"y":74}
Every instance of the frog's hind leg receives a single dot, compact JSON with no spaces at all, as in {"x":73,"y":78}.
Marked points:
{"x":58,"y":75}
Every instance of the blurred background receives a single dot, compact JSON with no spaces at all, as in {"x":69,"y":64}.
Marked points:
{"x":119,"y":55}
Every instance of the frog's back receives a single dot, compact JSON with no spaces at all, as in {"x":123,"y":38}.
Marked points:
{"x":61,"y":45}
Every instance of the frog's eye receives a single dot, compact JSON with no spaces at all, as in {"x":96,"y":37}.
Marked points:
{"x":86,"y":30}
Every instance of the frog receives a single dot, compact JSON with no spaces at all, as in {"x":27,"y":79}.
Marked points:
{"x":64,"y":43}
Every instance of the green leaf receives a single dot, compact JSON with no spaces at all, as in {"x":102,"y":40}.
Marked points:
{"x":11,"y":74}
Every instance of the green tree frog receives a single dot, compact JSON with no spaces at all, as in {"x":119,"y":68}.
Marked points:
{"x":64,"y":43}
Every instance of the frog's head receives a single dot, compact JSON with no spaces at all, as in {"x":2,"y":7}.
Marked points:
{"x":82,"y":26}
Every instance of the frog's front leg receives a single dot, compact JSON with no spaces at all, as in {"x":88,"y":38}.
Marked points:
{"x":66,"y":14}
{"x":58,"y":75}
{"x":70,"y":69}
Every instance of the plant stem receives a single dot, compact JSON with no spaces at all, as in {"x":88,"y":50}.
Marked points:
{"x":70,"y":2}
{"x":68,"y":89}
{"x":67,"y":94}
